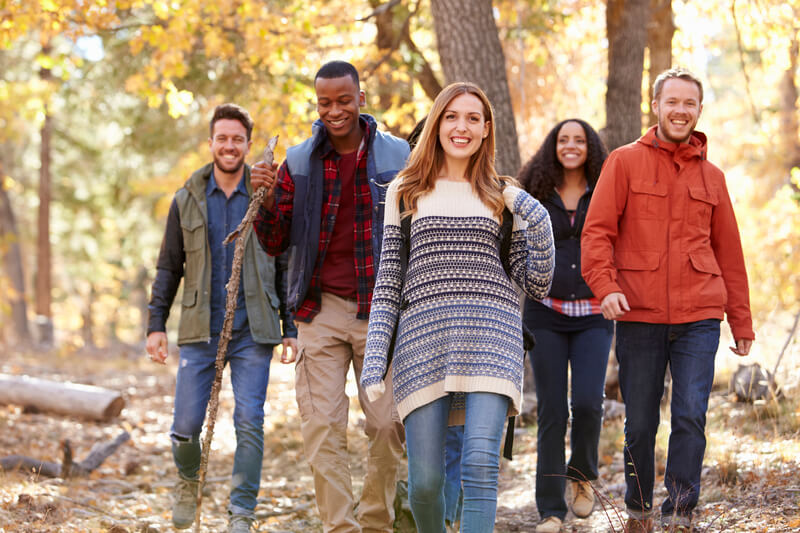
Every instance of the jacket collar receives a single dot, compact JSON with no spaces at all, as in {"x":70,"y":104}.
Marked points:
{"x":695,"y":148}
{"x":319,"y":135}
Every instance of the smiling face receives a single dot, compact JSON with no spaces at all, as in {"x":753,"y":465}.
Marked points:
{"x":571,"y":147}
{"x":678,"y":108}
{"x":229,"y":146}
{"x":338,"y":103}
{"x":462,"y":126}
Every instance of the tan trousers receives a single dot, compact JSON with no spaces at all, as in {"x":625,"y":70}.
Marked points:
{"x":327,"y":346}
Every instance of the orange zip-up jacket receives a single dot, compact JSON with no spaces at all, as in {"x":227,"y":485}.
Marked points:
{"x":662,"y":231}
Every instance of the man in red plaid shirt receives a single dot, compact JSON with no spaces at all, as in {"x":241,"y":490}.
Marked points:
{"x":325,"y":206}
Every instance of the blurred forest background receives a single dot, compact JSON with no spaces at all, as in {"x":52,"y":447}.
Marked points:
{"x":104,"y":110}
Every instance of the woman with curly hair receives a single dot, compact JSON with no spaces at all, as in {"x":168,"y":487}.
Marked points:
{"x":458,"y":352}
{"x":568,"y":325}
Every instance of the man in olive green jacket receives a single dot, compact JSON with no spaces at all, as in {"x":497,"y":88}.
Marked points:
{"x":205,"y":210}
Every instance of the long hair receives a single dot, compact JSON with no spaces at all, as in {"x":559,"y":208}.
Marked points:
{"x":427,"y":157}
{"x":544,"y":172}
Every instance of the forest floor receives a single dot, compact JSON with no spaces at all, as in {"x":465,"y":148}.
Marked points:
{"x":751,"y":481}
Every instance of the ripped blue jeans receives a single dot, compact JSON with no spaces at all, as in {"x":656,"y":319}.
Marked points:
{"x":249,"y":366}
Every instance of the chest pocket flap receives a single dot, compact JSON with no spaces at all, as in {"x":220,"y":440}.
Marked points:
{"x":193,"y":234}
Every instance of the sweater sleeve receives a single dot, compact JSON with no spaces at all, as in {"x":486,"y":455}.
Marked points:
{"x":385,"y":305}
{"x":532,"y":254}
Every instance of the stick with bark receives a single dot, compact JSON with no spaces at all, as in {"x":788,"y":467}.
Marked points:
{"x":240,"y":234}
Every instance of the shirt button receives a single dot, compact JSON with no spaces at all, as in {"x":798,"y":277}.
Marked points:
{"x":573,"y":265}
{"x":376,"y":208}
{"x":572,"y":295}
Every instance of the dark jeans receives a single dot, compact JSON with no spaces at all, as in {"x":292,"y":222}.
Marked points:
{"x":586,"y":353}
{"x":249,"y":363}
{"x":643,"y":352}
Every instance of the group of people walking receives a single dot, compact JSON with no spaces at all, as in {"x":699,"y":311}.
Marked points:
{"x":407,"y":264}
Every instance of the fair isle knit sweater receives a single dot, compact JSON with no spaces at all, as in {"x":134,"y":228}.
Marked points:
{"x":457,"y":312}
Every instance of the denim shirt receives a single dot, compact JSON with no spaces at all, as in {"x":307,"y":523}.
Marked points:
{"x":224,"y":215}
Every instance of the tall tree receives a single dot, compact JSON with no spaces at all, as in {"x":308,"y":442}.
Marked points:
{"x":660,"y":30}
{"x":470,"y":50}
{"x":12,"y":261}
{"x":626,"y":29}
{"x":44,"y":314}
{"x":789,"y":125}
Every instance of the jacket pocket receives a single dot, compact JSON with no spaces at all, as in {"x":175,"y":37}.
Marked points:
{"x":707,"y":286}
{"x":189,"y":297}
{"x":194,"y":235}
{"x":647,"y":200}
{"x":638,"y":279}
{"x":701,"y":205}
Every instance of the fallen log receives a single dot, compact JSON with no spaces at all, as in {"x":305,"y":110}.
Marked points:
{"x":68,"y":468}
{"x":74,"y":399}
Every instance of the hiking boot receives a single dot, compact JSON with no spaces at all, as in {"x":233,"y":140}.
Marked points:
{"x":582,"y":498}
{"x":676,"y":524}
{"x":639,"y":525}
{"x":184,"y":503}
{"x":239,"y":523}
{"x":551,"y":524}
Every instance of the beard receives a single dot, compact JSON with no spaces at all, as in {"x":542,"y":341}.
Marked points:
{"x":229,"y":168}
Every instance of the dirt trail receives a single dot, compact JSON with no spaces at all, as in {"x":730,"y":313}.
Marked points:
{"x":131,"y":490}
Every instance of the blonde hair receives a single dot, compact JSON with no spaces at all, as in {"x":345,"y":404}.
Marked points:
{"x":427,"y":158}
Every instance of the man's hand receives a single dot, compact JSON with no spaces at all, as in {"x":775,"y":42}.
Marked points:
{"x":289,"y":353}
{"x":614,"y":306}
{"x":742,"y":347}
{"x":263,"y":176}
{"x":156,"y":347}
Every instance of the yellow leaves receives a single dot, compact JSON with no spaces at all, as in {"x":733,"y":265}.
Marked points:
{"x":48,"y":5}
{"x":179,"y":102}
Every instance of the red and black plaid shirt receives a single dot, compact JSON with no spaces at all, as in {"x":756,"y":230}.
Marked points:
{"x":273,"y":227}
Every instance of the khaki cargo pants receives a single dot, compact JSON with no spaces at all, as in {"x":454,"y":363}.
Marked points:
{"x":327,"y":347}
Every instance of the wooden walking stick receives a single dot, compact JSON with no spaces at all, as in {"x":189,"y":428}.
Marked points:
{"x":240,"y":234}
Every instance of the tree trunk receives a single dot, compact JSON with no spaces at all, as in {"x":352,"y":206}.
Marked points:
{"x":12,"y":259}
{"x":789,"y":128}
{"x":470,"y":50}
{"x":44,"y":318}
{"x":72,"y":399}
{"x":626,"y":29}
{"x":391,"y":26}
{"x":659,"y":44}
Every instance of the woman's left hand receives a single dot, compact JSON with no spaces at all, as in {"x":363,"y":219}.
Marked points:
{"x":510,"y":194}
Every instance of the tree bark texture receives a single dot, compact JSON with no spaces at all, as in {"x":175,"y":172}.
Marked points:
{"x":660,"y":30}
{"x":12,"y":261}
{"x":43,"y":272}
{"x":789,"y":127}
{"x":72,"y":399}
{"x":626,"y":28}
{"x":470,"y":50}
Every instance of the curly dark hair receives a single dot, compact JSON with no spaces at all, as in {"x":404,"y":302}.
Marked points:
{"x":543,"y":172}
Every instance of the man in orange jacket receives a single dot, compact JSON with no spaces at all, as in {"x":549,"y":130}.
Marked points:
{"x":661,"y":250}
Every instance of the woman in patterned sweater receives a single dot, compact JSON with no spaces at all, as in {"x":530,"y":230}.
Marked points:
{"x":458,"y":353}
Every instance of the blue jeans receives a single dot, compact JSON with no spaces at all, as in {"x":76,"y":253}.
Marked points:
{"x":643,"y":352}
{"x":426,"y":429}
{"x":454,"y":441}
{"x":249,"y":362}
{"x":586,"y":354}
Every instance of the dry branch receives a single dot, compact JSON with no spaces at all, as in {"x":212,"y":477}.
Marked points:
{"x":68,"y":468}
{"x":240,"y":234}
